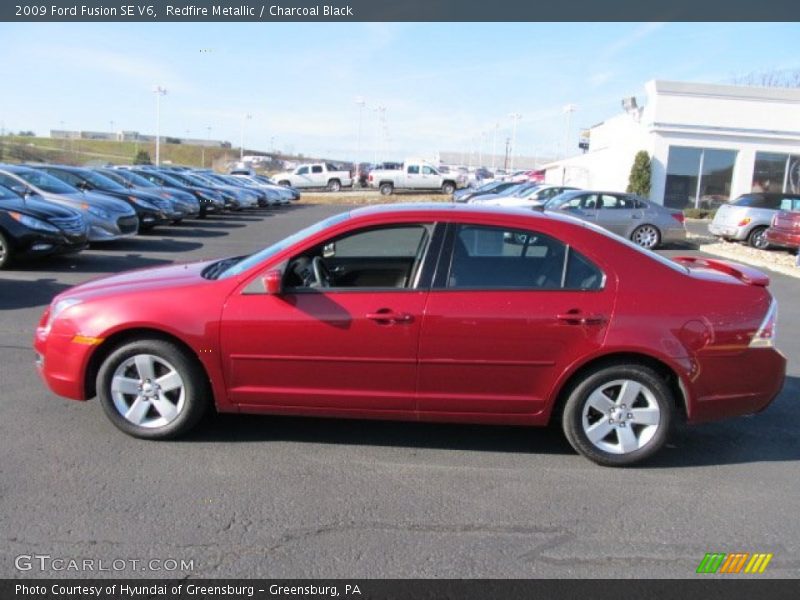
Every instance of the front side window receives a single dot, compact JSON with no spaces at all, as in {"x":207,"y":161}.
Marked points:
{"x":428,"y":171}
{"x":378,"y":257}
{"x":494,"y":258}
{"x":302,"y":171}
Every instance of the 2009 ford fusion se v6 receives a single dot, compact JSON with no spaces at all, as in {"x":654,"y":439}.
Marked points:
{"x":427,"y":313}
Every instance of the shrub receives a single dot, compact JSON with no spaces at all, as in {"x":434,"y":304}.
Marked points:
{"x":639,"y":179}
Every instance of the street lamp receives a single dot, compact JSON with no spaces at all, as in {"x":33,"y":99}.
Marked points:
{"x":245,"y":118}
{"x":494,"y":145}
{"x":203,"y":151}
{"x":515,"y":117}
{"x":568,"y":110}
{"x":158,"y":91}
{"x":359,"y":100}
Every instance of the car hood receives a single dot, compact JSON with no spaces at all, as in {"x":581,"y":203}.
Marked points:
{"x":101,"y":200}
{"x":140,"y":280}
{"x":35,"y":206}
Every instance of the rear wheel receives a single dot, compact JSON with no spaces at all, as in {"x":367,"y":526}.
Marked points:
{"x":758,"y":238}
{"x":334,"y":185}
{"x":619,"y":415}
{"x":152,"y":389}
{"x":448,"y":188}
{"x":5,"y":252}
{"x":386,"y":189}
{"x":646,"y":236}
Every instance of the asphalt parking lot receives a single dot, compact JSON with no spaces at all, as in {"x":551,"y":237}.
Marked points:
{"x":293,"y":497}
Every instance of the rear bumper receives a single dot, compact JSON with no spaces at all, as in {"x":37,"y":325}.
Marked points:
{"x":781,"y":237}
{"x":731,"y":232}
{"x":730,"y":386}
{"x":675,"y":234}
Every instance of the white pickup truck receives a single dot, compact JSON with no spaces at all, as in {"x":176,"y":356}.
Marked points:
{"x":315,"y":175}
{"x":415,"y":175}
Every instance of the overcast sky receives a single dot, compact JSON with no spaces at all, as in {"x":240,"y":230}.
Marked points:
{"x":442,"y":85}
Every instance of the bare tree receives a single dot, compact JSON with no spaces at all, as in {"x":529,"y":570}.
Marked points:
{"x":788,"y":78}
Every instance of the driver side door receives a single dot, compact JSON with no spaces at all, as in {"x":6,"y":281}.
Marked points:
{"x":347,"y":348}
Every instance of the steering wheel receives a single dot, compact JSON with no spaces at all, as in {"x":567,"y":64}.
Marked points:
{"x":321,"y":272}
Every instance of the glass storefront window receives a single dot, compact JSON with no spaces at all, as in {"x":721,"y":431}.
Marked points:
{"x":775,"y":172}
{"x":698,"y":177}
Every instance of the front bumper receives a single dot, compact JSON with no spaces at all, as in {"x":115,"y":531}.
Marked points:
{"x":102,"y":230}
{"x":62,"y":363}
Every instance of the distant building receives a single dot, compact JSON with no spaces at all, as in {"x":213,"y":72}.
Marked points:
{"x":707,"y":143}
{"x":132,"y":136}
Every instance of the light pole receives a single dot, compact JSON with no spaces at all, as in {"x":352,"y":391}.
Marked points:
{"x":515,"y":117}
{"x":568,"y":110}
{"x":158,"y":91}
{"x":245,"y":118}
{"x":378,"y":110}
{"x":359,"y":100}
{"x":112,"y":127}
{"x":494,"y":145}
{"x":203,"y":151}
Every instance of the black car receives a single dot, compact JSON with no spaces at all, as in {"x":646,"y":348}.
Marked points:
{"x":31,"y":226}
{"x":210,"y":200}
{"x":184,"y":201}
{"x":493,"y":187}
{"x":150,"y":209}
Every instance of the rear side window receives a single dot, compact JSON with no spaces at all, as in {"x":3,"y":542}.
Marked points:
{"x":492,"y":258}
{"x":316,"y":169}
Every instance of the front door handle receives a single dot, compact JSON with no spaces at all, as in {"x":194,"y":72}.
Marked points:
{"x":578,"y":318}
{"x":386,"y":315}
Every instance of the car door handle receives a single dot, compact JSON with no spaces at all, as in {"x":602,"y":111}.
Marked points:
{"x":636,"y":216}
{"x":578,"y":318}
{"x":386,"y":315}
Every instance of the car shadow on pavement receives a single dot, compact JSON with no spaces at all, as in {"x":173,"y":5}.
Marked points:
{"x":479,"y":438}
{"x":25,"y":294}
{"x":770,"y":436}
{"x":146,"y":244}
{"x":184,"y":231}
{"x":93,"y":262}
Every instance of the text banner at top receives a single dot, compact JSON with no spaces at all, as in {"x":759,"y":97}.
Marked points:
{"x":400,"y":10}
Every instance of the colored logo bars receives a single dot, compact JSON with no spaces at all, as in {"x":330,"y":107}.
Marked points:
{"x":734,"y":563}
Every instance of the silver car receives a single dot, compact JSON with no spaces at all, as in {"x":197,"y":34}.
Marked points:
{"x":108,"y":218}
{"x":747,"y":218}
{"x":643,"y":222}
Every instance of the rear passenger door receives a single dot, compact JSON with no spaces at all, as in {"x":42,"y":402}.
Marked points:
{"x":510,"y":310}
{"x":617,"y":213}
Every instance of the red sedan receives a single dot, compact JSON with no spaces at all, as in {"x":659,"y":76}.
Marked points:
{"x":427,"y":313}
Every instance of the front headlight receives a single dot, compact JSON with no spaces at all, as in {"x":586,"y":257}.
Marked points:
{"x":142,"y":203}
{"x":98,"y":212}
{"x":59,"y":307}
{"x":33,"y":223}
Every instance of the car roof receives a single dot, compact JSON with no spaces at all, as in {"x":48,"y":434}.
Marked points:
{"x":454,"y":209}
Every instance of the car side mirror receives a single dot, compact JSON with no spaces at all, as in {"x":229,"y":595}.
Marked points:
{"x":273,"y":282}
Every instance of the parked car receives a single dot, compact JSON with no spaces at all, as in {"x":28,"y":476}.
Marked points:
{"x":493,"y":187}
{"x":184,"y":201}
{"x":415,"y":175}
{"x":32,"y":227}
{"x":211,"y":201}
{"x":784,"y":231}
{"x":293,"y":192}
{"x":108,"y":218}
{"x":247,"y":197}
{"x":150,"y":210}
{"x":277,"y":194}
{"x":533,"y":196}
{"x":515,"y":188}
{"x":316,"y":175}
{"x":747,"y":218}
{"x":322,"y":324}
{"x":645,"y":223}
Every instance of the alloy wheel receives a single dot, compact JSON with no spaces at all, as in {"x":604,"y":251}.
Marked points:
{"x":148,"y":391}
{"x":646,"y":236}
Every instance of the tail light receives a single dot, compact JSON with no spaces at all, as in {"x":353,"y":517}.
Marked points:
{"x":745,"y":221}
{"x":370,"y":177}
{"x":765,"y":336}
{"x":679,"y":217}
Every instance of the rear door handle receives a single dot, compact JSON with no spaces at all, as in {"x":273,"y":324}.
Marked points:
{"x":578,"y":318}
{"x":386,"y":315}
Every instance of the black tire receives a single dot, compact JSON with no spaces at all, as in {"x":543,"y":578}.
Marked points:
{"x":196,"y":391}
{"x":334,"y":185}
{"x":386,"y":189}
{"x":448,"y":188}
{"x":605,"y":378}
{"x":757,"y":238}
{"x":6,"y":255}
{"x":284,"y":183}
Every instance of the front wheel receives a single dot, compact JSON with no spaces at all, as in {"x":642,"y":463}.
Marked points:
{"x":646,"y":236}
{"x":619,"y":415}
{"x":5,"y":252}
{"x":758,"y":238}
{"x":152,"y":389}
{"x":448,"y":188}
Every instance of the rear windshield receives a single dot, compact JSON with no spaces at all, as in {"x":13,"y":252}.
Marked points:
{"x":757,"y":201}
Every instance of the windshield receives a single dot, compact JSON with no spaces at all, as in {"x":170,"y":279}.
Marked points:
{"x":121,"y":176}
{"x":43,"y":181}
{"x":7,"y":194}
{"x":254,"y":259}
{"x":556,"y":201}
{"x":101,"y":181}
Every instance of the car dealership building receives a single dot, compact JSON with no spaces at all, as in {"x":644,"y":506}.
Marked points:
{"x":707,"y":143}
